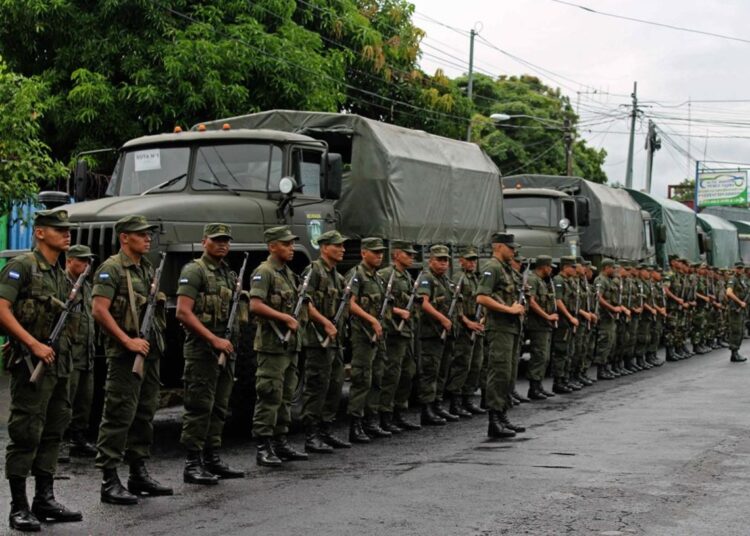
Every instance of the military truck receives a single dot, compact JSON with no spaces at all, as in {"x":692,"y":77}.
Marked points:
{"x":573,"y":216}
{"x":313,"y":171}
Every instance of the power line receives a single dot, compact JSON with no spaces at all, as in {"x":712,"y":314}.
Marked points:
{"x":653,"y":23}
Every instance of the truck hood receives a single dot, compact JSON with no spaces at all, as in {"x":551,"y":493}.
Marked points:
{"x":176,"y":208}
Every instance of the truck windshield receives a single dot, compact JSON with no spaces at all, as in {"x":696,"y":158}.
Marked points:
{"x":242,"y":166}
{"x":152,"y":169}
{"x":529,"y":211}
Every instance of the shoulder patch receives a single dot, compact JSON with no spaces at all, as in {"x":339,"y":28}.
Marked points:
{"x":14,"y":275}
{"x":183,"y":280}
{"x":424,"y":283}
{"x":257,"y":277}
{"x":487,"y":273}
{"x":104,"y":275}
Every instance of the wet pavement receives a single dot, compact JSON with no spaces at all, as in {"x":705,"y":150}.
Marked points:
{"x":664,"y":452}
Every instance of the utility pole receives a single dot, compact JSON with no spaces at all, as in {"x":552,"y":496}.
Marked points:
{"x":568,"y":136}
{"x":470,"y":87}
{"x":633,"y":115}
{"x":653,"y":144}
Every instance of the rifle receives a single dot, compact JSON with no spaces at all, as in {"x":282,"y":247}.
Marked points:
{"x":38,"y":372}
{"x":234,"y":308}
{"x":301,"y":299}
{"x":477,"y":318}
{"x":619,"y":300}
{"x":341,"y":308}
{"x":588,"y":303}
{"x":554,"y":299}
{"x":578,"y":301}
{"x":387,"y":298}
{"x":410,"y":303}
{"x":454,"y":301}
{"x":148,"y":317}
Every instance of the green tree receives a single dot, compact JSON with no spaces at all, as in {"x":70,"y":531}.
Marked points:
{"x":25,"y":160}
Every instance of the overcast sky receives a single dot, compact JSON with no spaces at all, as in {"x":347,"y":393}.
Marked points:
{"x":586,"y":52}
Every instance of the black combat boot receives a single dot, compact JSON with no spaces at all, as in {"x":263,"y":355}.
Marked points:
{"x":470,"y":406}
{"x":387,"y":424}
{"x":512,"y":400}
{"x":314,"y":442}
{"x":672,"y":354}
{"x":535,"y":392}
{"x":572,"y":384}
{"x":509,"y":425}
{"x":457,"y":408}
{"x":63,"y":453}
{"x":265,"y":455}
{"x":141,"y":483}
{"x":518,"y":396}
{"x":583,"y":380}
{"x":403,"y":423}
{"x":723,"y":343}
{"x":285,"y":451}
{"x":737,"y":358}
{"x":496,"y":429}
{"x":559,"y":387}
{"x":195,"y":472}
{"x":20,"y":517}
{"x":113,"y":492}
{"x":430,"y":418}
{"x":356,"y":432}
{"x":80,"y":446}
{"x":214,"y":464}
{"x":603,"y":374}
{"x":46,"y":508}
{"x":548,"y":394}
{"x":439,"y":410}
{"x":327,"y":435}
{"x":372,"y":428}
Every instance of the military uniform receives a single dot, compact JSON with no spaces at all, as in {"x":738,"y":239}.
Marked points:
{"x":80,"y":340}
{"x":563,"y":338}
{"x":736,"y":314}
{"x":608,"y":288}
{"x":210,"y":283}
{"x":539,"y":330}
{"x":39,"y":413}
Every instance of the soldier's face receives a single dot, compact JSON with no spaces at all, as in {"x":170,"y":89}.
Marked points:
{"x":503,"y":252}
{"x":138,"y":242}
{"x":468,"y":265}
{"x":217,"y":247}
{"x":76,"y":266}
{"x":373,"y":259}
{"x":332,"y":252}
{"x":56,"y":238}
{"x":403,"y":258}
{"x":439,"y":265}
{"x":283,"y":251}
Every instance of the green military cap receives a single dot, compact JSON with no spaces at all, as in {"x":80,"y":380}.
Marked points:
{"x":567,"y":260}
{"x":608,"y":262}
{"x":79,"y":251}
{"x":403,"y":245}
{"x":215,"y":230}
{"x":332,"y":237}
{"x":673,"y":257}
{"x":579,"y":260}
{"x":439,"y":250}
{"x":739,"y":264}
{"x":505,"y":238}
{"x":695,"y":265}
{"x":133,"y":224}
{"x":592,"y":267}
{"x":279,"y":234}
{"x":53,"y":218}
{"x":373,"y":244}
{"x":543,"y":260}
{"x":469,"y":252}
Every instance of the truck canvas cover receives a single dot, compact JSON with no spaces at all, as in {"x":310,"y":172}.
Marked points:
{"x":401,"y":183}
{"x":724,"y":242}
{"x":678,"y":220}
{"x":616,"y":227}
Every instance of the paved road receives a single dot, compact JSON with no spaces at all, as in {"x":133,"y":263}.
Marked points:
{"x":664,"y":452}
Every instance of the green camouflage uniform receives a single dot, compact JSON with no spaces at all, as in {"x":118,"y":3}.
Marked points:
{"x":276,"y":376}
{"x":324,"y":367}
{"x":646,"y":320}
{"x":468,"y":354}
{"x":208,"y":386}
{"x":39,"y":414}
{"x":538,"y":329}
{"x":80,"y":341}
{"x":658,"y":300}
{"x":609,"y":289}
{"x":129,"y":402}
{"x":563,"y":338}
{"x":736,"y":315}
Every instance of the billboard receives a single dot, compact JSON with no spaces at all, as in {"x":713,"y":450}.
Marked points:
{"x":721,"y":187}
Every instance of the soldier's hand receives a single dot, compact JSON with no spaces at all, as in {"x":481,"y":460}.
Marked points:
{"x":43,"y":352}
{"x":575,"y":322}
{"x":378,"y":329}
{"x":744,"y":305}
{"x":447,"y":324}
{"x":291,"y":323}
{"x":222,"y":345}
{"x":138,"y":346}
{"x":517,"y":309}
{"x":554,"y":317}
{"x":475,"y":326}
{"x":403,"y":313}
{"x":594,"y":318}
{"x":330,"y":329}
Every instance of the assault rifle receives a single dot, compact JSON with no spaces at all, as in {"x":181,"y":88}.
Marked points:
{"x":301,"y":300}
{"x":229,"y":331}
{"x":341,"y":308}
{"x":454,"y":302}
{"x":147,"y":323}
{"x":410,"y":303}
{"x":387,"y":298}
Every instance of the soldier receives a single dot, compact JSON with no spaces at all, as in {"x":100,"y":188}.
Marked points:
{"x":622,"y":276}
{"x":737,"y":294}
{"x":273,"y":295}
{"x":398,"y":337}
{"x":609,"y":308}
{"x":647,"y":316}
{"x":634,"y":303}
{"x":542,"y":319}
{"x":563,"y":336}
{"x":585,"y":319}
{"x":700,"y":316}
{"x":517,"y":263}
{"x":32,"y":286}
{"x":366,"y":335}
{"x":500,"y":296}
{"x":80,"y":338}
{"x":658,"y":302}
{"x":591,"y":301}
{"x":469,"y":347}
{"x":436,"y":335}
{"x":324,"y":366}
{"x":121,"y":287}
{"x":674,"y":291}
{"x":204,"y":297}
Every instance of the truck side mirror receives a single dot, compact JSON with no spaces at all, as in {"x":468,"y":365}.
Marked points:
{"x":661,"y":233}
{"x":582,"y":211}
{"x":80,"y":180}
{"x":334,"y":166}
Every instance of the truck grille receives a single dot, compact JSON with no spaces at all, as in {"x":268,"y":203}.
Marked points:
{"x":100,"y":237}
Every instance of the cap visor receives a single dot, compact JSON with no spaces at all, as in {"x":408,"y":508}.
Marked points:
{"x":217,"y":235}
{"x":59,"y":225}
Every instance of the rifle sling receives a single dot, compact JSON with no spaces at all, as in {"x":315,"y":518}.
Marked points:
{"x":131,"y":298}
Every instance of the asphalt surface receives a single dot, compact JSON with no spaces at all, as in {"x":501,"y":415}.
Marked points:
{"x":663,"y":452}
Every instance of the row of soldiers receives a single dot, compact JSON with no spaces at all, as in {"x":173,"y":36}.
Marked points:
{"x":443,"y":338}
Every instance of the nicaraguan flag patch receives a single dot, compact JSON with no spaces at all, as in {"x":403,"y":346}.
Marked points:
{"x":184,"y":280}
{"x":257,"y":278}
{"x":14,"y":275}
{"x":425,"y":283}
{"x":104,"y":275}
